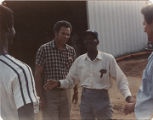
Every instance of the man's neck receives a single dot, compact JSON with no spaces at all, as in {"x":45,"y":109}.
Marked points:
{"x":3,"y":51}
{"x":3,"y":47}
{"x":59,"y":45}
{"x":93,"y":54}
{"x":3,"y":43}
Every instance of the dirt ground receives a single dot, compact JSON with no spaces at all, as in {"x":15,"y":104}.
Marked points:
{"x":133,"y":68}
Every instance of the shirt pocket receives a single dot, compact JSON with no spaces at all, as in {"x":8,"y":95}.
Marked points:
{"x":100,"y":70}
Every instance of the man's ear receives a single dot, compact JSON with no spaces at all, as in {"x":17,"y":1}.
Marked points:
{"x":97,"y":41}
{"x":55,"y":34}
{"x":152,"y":25}
{"x":10,"y":34}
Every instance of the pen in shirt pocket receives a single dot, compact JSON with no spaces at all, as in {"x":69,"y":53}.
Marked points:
{"x":102,"y":71}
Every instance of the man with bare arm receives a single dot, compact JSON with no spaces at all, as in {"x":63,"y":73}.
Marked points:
{"x":17,"y":86}
{"x":53,"y":61}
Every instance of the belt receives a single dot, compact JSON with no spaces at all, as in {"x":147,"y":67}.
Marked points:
{"x":94,"y":90}
{"x":59,"y":89}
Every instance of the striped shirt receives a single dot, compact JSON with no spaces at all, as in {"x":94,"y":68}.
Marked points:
{"x":17,"y":86}
{"x":56,"y":62}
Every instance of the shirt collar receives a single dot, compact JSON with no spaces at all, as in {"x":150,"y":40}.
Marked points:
{"x":98,"y":57}
{"x":54,"y":45}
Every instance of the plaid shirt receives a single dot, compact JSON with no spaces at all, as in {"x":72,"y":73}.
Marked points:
{"x":56,"y":63}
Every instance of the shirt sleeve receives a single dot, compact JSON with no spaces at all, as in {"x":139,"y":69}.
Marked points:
{"x":74,"y":55}
{"x":72,"y":78}
{"x":40,"y":56}
{"x":122,"y":82}
{"x":23,"y":88}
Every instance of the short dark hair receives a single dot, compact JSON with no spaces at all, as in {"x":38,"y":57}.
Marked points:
{"x":147,"y":11}
{"x":6,"y":18}
{"x":62,"y":23}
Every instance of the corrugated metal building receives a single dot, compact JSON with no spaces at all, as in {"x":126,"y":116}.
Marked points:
{"x":119,"y":24}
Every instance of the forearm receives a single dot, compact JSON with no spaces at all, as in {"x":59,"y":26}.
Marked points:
{"x":39,"y":81}
{"x":75,"y":89}
{"x":119,"y":76}
{"x":39,"y":85}
{"x":122,"y":83}
{"x":124,"y":87}
{"x":26,"y":112}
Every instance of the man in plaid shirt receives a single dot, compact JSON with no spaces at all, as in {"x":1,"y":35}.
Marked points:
{"x":53,"y":61}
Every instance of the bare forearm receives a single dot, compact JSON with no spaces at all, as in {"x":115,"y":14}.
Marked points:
{"x":39,"y":85}
{"x":75,"y":89}
{"x":39,"y":80}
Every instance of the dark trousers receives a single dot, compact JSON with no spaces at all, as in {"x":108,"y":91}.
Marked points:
{"x":95,"y":105}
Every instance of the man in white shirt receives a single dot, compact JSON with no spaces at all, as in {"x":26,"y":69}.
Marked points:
{"x":17,"y":87}
{"x":92,"y":70}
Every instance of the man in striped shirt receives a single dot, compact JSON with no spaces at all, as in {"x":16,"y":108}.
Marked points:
{"x":17,"y":87}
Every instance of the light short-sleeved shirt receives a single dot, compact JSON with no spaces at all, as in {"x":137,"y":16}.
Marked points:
{"x":56,"y":63}
{"x":17,"y":87}
{"x":88,"y":73}
{"x":144,"y":100}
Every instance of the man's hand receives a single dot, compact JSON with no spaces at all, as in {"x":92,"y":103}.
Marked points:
{"x":51,"y":84}
{"x":129,"y":107}
{"x":130,"y":99}
{"x":42,"y":103}
{"x":75,"y":95}
{"x":75,"y":98}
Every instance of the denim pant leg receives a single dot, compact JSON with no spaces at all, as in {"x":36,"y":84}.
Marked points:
{"x":85,"y":107}
{"x":101,"y":105}
{"x":95,"y":104}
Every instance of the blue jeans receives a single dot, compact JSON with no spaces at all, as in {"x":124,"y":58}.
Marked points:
{"x":95,"y":105}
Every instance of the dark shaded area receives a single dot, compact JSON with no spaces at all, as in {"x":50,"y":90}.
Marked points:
{"x":34,"y":21}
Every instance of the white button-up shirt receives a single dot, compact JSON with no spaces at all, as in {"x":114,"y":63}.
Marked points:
{"x":87,"y":73}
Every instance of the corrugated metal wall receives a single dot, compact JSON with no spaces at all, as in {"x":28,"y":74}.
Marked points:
{"x":119,"y":24}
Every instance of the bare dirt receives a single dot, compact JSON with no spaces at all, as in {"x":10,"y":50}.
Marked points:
{"x":133,"y":69}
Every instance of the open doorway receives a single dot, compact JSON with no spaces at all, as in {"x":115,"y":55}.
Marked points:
{"x":34,"y":21}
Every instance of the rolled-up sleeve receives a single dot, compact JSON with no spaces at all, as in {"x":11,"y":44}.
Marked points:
{"x":40,"y":56}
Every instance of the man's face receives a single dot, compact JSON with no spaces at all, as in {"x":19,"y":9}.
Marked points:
{"x":90,"y":42}
{"x":148,"y":28}
{"x":63,"y":35}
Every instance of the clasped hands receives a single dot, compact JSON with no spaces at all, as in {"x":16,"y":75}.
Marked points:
{"x":129,"y":107}
{"x":51,"y":84}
